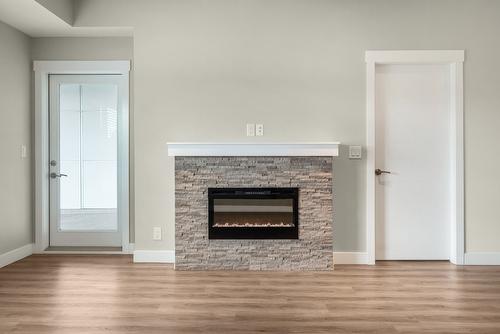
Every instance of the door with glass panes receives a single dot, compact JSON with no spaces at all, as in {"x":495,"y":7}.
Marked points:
{"x":86,"y":140}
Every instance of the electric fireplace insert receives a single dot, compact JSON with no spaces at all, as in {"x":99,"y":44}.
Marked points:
{"x":253,"y":213}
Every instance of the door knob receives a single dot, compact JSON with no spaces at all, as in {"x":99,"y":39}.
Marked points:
{"x":378,"y":171}
{"x":54,"y":175}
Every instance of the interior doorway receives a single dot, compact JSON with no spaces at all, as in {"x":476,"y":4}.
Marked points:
{"x":82,"y":156}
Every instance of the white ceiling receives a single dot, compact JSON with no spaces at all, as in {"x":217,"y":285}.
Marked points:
{"x":35,"y":20}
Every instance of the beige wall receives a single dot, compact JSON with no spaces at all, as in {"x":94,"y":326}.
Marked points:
{"x":205,"y":68}
{"x":93,"y":48}
{"x":15,"y":128}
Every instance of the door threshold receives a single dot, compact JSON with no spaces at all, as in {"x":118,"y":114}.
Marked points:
{"x":83,"y":250}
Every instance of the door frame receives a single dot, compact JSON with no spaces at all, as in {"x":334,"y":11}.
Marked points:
{"x":43,"y":69}
{"x":455,"y":59}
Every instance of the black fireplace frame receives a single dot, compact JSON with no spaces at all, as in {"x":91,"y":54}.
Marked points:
{"x":290,"y":232}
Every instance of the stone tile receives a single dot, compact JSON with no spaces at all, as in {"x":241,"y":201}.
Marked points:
{"x":312,"y":251}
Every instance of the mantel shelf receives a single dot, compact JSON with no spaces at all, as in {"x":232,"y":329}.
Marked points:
{"x":254,"y":149}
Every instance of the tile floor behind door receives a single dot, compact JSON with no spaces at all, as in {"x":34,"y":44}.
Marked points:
{"x":89,"y":220}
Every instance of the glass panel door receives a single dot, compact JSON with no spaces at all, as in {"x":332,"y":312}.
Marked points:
{"x":84,"y":157}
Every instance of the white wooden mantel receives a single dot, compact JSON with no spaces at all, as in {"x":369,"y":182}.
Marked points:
{"x":254,"y":149}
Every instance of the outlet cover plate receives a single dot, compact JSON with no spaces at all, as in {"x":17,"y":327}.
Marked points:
{"x":156,"y":233}
{"x":250,"y":130}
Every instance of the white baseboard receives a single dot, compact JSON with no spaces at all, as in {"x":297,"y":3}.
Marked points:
{"x":350,"y":258}
{"x":15,"y":255}
{"x":158,"y":256}
{"x":482,"y":258}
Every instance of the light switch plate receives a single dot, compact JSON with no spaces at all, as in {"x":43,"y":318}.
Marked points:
{"x":157,"y":233}
{"x":259,"y":129}
{"x":23,"y":151}
{"x":250,"y":130}
{"x":355,"y":152}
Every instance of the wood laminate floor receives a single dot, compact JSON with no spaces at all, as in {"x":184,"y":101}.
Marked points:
{"x":110,"y":294}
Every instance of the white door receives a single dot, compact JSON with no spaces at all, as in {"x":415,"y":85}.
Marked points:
{"x":86,"y":138}
{"x":413,"y":202}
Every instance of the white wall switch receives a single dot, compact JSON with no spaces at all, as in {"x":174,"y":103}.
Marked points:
{"x":259,"y":129}
{"x":24,"y":153}
{"x":250,"y":130}
{"x":355,"y":152}
{"x":157,"y":233}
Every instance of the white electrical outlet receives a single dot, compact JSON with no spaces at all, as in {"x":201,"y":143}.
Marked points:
{"x":259,"y":129}
{"x":157,"y":233}
{"x":355,"y":152}
{"x":250,"y":130}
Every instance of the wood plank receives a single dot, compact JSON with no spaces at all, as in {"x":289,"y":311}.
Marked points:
{"x":108,"y":293}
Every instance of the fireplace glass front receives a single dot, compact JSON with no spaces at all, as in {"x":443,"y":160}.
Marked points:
{"x":253,"y":213}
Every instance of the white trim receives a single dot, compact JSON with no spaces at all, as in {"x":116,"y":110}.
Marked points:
{"x":128,"y":248}
{"x":154,"y":256}
{"x":124,"y":162}
{"x":482,"y":258}
{"x":350,"y":258}
{"x":415,"y":57}
{"x":253,"y":149}
{"x":455,"y":59}
{"x":42,"y":71}
{"x":41,"y":161}
{"x":458,"y":205}
{"x":370,"y":163}
{"x":15,"y":255}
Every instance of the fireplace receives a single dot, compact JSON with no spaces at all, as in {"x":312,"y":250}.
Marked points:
{"x":253,"y":213}
{"x":311,"y":237}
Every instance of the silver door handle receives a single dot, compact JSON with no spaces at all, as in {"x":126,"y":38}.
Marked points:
{"x":378,"y":171}
{"x":54,"y":175}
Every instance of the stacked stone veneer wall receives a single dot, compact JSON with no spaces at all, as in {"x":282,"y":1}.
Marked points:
{"x":312,"y":251}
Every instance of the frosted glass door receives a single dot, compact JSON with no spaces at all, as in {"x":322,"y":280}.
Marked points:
{"x":84,"y":126}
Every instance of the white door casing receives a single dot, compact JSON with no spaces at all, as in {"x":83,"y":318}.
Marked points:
{"x":453,"y":59}
{"x":43,"y":69}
